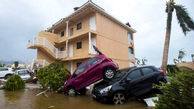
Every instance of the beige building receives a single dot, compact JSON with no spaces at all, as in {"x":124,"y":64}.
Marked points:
{"x":70,"y":39}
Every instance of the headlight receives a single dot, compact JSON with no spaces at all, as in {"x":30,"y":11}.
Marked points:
{"x":106,"y":89}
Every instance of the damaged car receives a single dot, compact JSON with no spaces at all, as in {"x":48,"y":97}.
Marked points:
{"x":128,"y":82}
{"x":90,"y":71}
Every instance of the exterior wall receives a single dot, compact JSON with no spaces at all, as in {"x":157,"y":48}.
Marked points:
{"x":49,"y":36}
{"x":82,"y":52}
{"x":112,"y":40}
{"x":42,"y":55}
{"x":85,"y":28}
{"x":186,"y":64}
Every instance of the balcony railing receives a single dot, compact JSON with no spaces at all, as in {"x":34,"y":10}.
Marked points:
{"x":39,"y":63}
{"x":42,"y":41}
{"x":131,"y":56}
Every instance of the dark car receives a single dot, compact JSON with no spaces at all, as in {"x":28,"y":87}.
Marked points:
{"x":128,"y":82}
{"x":90,"y":71}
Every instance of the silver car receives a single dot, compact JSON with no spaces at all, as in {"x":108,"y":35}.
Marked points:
{"x":24,"y":74}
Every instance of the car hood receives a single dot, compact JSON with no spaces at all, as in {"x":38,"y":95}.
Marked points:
{"x":103,"y":84}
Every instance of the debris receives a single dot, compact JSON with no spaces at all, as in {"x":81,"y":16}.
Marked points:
{"x":43,"y":92}
{"x":149,"y":101}
{"x":51,"y":107}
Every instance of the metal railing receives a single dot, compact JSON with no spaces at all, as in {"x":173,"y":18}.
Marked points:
{"x":42,"y":41}
{"x":39,"y":63}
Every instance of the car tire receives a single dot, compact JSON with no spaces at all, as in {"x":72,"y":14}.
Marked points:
{"x":7,"y":76}
{"x":71,"y":91}
{"x":109,"y":73}
{"x":119,"y":98}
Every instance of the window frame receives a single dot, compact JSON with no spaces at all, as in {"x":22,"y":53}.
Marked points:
{"x":71,"y":31}
{"x":148,"y":68}
{"x":96,"y":61}
{"x":132,"y":72}
{"x":79,"y":26}
{"x":79,"y":45}
{"x":62,"y":33}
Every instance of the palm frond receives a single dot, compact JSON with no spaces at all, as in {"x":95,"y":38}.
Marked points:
{"x":185,"y":21}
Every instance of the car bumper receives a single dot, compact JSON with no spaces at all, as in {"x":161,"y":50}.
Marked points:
{"x":105,"y":97}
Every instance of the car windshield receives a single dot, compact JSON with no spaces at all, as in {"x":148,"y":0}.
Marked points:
{"x":22,"y":72}
{"x":119,"y":75}
{"x":80,"y":69}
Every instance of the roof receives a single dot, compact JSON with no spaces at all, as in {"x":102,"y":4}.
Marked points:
{"x":94,"y":7}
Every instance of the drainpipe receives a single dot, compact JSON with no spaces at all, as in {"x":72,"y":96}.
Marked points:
{"x":90,"y":44}
{"x":66,"y":38}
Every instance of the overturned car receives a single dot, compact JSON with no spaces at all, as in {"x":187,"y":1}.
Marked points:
{"x":90,"y":71}
{"x":128,"y":82}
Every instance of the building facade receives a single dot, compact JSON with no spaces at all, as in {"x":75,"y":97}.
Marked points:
{"x":70,"y":40}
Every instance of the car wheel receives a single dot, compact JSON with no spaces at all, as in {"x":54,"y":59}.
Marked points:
{"x":71,"y":92}
{"x":119,"y":98}
{"x":7,"y":76}
{"x":109,"y":73}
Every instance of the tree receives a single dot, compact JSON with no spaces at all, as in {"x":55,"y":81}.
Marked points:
{"x":137,"y":61}
{"x":143,"y":61}
{"x":15,"y":82}
{"x":16,"y":63}
{"x":53,"y":76}
{"x":192,"y":56}
{"x":181,"y":55}
{"x":178,"y":94}
{"x":186,"y":24}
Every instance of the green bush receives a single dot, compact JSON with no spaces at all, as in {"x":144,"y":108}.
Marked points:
{"x":52,"y":76}
{"x":15,"y":82}
{"x":178,"y":94}
{"x":172,"y":70}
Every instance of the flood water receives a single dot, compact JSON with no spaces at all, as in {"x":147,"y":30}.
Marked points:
{"x":27,"y":99}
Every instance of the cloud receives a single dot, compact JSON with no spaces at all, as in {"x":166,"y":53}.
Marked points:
{"x":22,"y":19}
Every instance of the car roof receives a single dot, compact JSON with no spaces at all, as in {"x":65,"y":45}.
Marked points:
{"x":135,"y":67}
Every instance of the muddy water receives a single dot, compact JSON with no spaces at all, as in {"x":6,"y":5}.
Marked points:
{"x":26,"y":99}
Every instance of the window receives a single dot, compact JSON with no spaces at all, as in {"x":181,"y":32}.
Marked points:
{"x":79,"y":26}
{"x":62,"y":49}
{"x":62,"y":33}
{"x":79,"y":45}
{"x":93,"y":61}
{"x":80,"y":69}
{"x":130,"y":38}
{"x":147,"y":71}
{"x":23,"y":72}
{"x":131,"y":56}
{"x":79,"y":63}
{"x":71,"y":32}
{"x":134,"y":74}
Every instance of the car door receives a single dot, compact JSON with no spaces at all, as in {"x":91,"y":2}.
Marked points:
{"x":149,"y":77}
{"x":79,"y":76}
{"x":134,"y":86}
{"x":93,"y":73}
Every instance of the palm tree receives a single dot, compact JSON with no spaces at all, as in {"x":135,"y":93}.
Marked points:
{"x":181,"y":55}
{"x":186,"y":24}
{"x":143,"y":61}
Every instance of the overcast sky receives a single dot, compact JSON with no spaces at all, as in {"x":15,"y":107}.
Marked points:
{"x":20,"y":20}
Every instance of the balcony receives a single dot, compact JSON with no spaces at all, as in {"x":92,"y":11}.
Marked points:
{"x":39,"y":63}
{"x":42,"y":42}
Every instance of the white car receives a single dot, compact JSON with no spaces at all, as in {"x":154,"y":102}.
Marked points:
{"x":24,"y":74}
{"x":6,"y":72}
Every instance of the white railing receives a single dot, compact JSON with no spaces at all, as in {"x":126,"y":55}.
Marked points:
{"x":131,"y":56}
{"x":39,"y":63}
{"x":45,"y":43}
{"x":61,"y":54}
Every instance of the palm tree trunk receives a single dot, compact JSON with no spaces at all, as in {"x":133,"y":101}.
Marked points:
{"x":167,"y":38}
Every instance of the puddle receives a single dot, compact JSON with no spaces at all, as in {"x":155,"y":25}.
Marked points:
{"x":27,"y":99}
